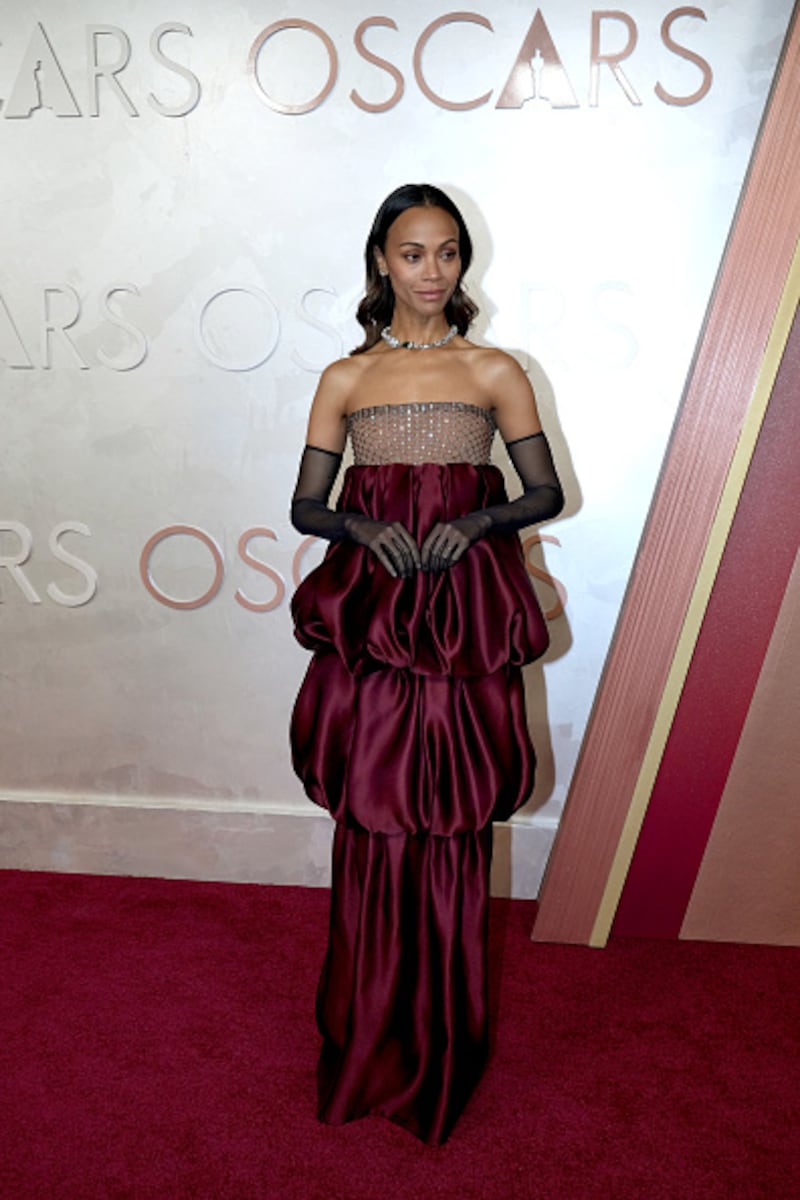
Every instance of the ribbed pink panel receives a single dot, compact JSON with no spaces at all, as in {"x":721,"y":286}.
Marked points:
{"x":718,"y":392}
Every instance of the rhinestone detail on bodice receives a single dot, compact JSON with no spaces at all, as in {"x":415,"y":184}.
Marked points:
{"x":445,"y":431}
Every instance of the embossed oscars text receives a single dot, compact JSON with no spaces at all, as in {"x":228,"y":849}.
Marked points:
{"x":65,"y":325}
{"x":15,"y":559}
{"x":41,"y":79}
{"x":550,"y":315}
{"x":555,"y":318}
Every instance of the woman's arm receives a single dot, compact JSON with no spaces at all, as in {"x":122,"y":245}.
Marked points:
{"x":319,"y":466}
{"x":391,"y":543}
{"x":517,"y":418}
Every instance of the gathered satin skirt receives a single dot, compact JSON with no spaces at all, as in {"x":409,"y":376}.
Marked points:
{"x":410,"y":730}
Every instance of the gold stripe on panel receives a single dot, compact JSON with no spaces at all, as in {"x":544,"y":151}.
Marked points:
{"x":701,"y":594}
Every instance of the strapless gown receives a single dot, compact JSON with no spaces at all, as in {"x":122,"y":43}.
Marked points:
{"x":410,"y":729}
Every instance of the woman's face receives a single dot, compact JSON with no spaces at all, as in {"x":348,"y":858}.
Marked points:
{"x":422,"y":259}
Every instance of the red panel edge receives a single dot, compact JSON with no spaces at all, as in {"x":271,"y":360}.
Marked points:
{"x":730,"y":650}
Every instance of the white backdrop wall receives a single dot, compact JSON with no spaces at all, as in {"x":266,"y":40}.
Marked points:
{"x":185,"y":192}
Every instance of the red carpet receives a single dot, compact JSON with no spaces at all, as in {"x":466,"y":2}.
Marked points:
{"x":157,"y":1041}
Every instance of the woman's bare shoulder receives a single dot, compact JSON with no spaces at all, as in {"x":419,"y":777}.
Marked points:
{"x":343,"y":372}
{"x":494,"y":367}
{"x":338,"y":381}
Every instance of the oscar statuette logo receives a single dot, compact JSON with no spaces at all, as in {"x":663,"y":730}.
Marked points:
{"x":61,"y":310}
{"x":42,"y":81}
{"x":44,"y":78}
{"x":538,"y":74}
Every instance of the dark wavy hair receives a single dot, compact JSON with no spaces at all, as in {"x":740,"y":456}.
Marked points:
{"x":377,"y":306}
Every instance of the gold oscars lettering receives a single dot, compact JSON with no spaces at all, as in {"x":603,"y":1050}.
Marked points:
{"x":17,"y":544}
{"x":538,"y":74}
{"x":44,"y":77}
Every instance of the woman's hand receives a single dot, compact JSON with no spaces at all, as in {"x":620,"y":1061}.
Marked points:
{"x":449,"y":540}
{"x":389,"y":541}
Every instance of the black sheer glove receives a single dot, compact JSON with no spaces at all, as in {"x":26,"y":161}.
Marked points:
{"x":390,"y":542}
{"x":316,"y":477}
{"x":542,"y":498}
{"x":448,"y":540}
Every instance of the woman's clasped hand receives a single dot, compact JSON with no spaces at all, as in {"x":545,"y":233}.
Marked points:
{"x":398,"y":552}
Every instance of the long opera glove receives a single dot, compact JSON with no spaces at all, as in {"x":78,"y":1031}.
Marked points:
{"x":541,"y":499}
{"x":390,"y":542}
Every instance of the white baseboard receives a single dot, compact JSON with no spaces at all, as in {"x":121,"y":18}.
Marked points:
{"x":205,"y":839}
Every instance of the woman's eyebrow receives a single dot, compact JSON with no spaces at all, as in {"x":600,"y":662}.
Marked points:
{"x":421,"y":245}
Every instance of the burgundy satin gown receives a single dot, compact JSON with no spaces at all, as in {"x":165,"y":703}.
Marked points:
{"x":410,"y":729}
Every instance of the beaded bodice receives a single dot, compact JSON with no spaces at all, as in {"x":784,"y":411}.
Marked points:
{"x":445,"y":431}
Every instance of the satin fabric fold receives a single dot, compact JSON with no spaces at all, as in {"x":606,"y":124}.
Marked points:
{"x":470,"y":620}
{"x":397,"y":752}
{"x":410,"y":729}
{"x":403,"y":996}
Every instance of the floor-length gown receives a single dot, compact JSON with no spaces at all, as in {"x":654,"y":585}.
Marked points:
{"x":410,"y":729}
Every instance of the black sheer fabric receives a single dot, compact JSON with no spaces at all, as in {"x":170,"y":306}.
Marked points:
{"x":393,"y":545}
{"x":390,"y":542}
{"x":315,"y":479}
{"x":542,"y":498}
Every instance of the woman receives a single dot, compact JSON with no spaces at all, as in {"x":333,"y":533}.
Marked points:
{"x":410,"y":724}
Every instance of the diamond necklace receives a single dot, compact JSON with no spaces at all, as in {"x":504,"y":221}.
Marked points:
{"x":396,"y":344}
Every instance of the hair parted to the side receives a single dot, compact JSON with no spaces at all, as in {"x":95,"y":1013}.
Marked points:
{"x":377,"y":306}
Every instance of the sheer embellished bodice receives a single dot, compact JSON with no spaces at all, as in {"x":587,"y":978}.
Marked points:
{"x":447,"y":431}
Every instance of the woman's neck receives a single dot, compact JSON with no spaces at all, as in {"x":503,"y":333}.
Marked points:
{"x":413,"y":327}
